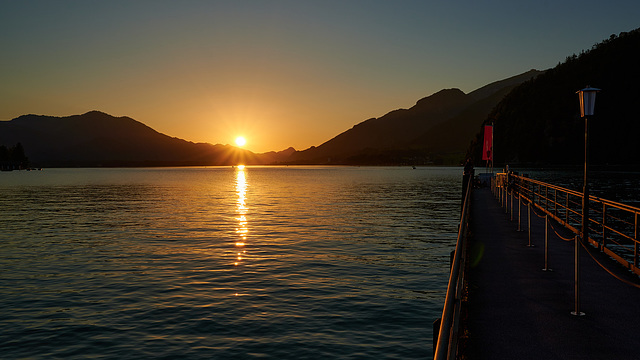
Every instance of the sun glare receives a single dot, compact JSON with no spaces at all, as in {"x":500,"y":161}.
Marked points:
{"x":241,"y":141}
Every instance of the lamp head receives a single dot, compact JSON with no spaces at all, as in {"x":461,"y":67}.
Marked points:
{"x":587,"y":98}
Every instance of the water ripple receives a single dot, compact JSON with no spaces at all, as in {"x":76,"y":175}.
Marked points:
{"x":282,"y":263}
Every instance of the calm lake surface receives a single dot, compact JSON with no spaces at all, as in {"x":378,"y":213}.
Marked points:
{"x":224,"y":263}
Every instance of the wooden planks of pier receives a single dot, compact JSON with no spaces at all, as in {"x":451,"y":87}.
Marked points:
{"x":518,"y":311}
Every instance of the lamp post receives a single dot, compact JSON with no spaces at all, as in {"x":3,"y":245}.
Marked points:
{"x":587,"y":98}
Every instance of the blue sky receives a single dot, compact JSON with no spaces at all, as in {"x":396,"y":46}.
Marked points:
{"x":281,"y":73}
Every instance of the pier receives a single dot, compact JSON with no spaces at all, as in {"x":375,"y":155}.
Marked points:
{"x":513,"y":297}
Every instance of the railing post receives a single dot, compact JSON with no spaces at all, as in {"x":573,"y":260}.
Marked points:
{"x":635,"y":242}
{"x":511,"y":214}
{"x":604,"y":226}
{"x":566,"y":210}
{"x":506,"y":200}
{"x":529,"y":221}
{"x":546,"y":197}
{"x":519,"y":211}
{"x":616,"y":230}
{"x":533,"y":193}
{"x":467,"y":178}
{"x":576,"y":284}
{"x":546,"y":243}
{"x":555,"y":202}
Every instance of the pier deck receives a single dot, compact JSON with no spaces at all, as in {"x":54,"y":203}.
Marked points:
{"x":518,"y":311}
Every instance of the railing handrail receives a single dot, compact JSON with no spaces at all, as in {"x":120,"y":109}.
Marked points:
{"x":579,"y":194}
{"x":617,"y":236}
{"x":446,"y":346}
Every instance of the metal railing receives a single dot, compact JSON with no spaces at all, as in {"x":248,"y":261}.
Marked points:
{"x":446,"y":346}
{"x":613,"y":227}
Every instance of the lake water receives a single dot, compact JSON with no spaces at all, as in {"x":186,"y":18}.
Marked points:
{"x":225,"y":263}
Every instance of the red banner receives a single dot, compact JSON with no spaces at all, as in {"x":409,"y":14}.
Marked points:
{"x":487,"y":148}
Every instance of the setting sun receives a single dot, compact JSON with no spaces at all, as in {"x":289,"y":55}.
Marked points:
{"x":241,"y":141}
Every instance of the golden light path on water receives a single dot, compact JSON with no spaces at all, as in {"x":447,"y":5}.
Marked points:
{"x":241,"y":209}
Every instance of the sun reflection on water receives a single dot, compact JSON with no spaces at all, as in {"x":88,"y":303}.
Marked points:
{"x":242,"y":229}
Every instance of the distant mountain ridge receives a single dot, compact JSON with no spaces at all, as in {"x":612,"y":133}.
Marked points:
{"x":99,"y":139}
{"x":437,"y":129}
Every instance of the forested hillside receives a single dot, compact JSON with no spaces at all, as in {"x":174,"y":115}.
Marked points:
{"x":539,"y":121}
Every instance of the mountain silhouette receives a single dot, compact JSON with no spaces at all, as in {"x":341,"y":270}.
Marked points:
{"x":458,"y":131}
{"x":535,"y":116}
{"x":538,"y":123}
{"x":99,"y":139}
{"x":438,"y":128}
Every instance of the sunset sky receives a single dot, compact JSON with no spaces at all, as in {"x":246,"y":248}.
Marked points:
{"x":280,"y":73}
